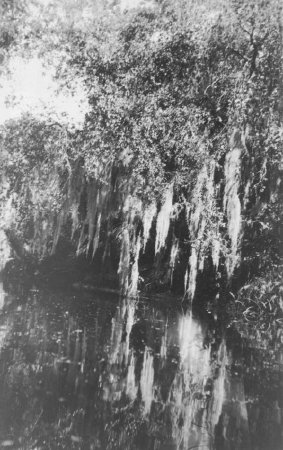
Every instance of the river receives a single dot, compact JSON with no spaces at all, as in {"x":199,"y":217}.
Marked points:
{"x":92,"y":371}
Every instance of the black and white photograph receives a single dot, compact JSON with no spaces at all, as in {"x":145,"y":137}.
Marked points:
{"x":141,"y":225}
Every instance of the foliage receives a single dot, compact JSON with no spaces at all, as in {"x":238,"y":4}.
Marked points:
{"x":262,"y":298}
{"x":12,"y":13}
{"x":34,"y":161}
{"x":173,"y":88}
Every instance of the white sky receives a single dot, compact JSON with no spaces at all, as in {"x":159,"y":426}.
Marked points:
{"x":33,"y":89}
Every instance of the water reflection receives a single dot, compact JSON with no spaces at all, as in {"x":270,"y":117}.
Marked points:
{"x":4,"y":247}
{"x":197,"y":401}
{"x":95,"y":373}
{"x":2,"y":295}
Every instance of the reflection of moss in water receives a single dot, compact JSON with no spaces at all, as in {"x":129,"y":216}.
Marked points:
{"x":63,"y":386}
{"x":5,"y":250}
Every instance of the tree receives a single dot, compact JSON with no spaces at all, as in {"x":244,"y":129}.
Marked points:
{"x":175,"y":99}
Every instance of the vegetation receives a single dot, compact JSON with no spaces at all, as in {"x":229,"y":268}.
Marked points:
{"x":175,"y":174}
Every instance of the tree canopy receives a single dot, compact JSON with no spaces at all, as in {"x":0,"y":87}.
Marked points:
{"x":181,"y":145}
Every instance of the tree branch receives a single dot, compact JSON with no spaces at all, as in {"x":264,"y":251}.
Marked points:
{"x":236,"y":52}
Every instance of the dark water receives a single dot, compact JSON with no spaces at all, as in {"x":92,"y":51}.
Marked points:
{"x":84,"y":371}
